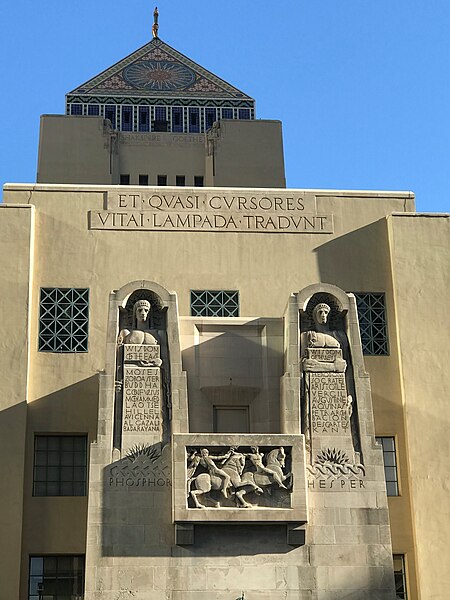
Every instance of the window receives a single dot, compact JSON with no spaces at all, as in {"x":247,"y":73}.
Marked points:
{"x":76,"y":109}
{"x":244,"y":113}
{"x":180,"y":180}
{"x":177,"y":119}
{"x":63,"y":320}
{"x":198,"y":180}
{"x":231,"y":419}
{"x":144,"y":118}
{"x":400,"y":577}
{"x":60,"y":464}
{"x":127,"y":118}
{"x":372,"y":323}
{"x":227,"y":113}
{"x":210,"y":117}
{"x":214,"y":303}
{"x":125,"y":179}
{"x":93,"y":110}
{"x":143,"y":179}
{"x":162,"y":179}
{"x":194,"y":120}
{"x":390,"y":464}
{"x":56,"y":577}
{"x":110,"y":113}
{"x":160,"y":122}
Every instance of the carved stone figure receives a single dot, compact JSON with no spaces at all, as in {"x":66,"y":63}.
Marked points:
{"x":328,"y":385}
{"x":141,"y":334}
{"x":214,"y":479}
{"x":256,"y":458}
{"x":242,"y":472}
{"x":234,"y":466}
{"x":322,"y":337}
{"x":142,"y":379}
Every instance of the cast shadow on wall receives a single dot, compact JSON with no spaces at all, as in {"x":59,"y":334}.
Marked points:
{"x":356,"y":259}
{"x":137,"y":489}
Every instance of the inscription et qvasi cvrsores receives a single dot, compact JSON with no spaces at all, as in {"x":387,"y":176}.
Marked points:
{"x":243,"y":212}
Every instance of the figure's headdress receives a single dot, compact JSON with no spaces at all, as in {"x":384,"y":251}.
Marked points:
{"x":143,"y":302}
{"x":321,"y":305}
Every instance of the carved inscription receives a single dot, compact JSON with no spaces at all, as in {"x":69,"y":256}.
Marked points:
{"x":172,"y":221}
{"x":208,"y":212}
{"x":330,"y":409}
{"x":336,"y":485}
{"x":142,"y":399}
{"x":136,"y":353}
{"x":144,"y":467}
{"x":324,"y":354}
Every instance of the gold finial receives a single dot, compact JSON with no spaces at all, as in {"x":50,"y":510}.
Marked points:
{"x":155,"y":25}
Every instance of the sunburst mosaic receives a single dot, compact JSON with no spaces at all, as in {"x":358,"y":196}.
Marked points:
{"x":159,"y":75}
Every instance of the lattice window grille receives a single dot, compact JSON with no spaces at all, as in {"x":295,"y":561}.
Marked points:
{"x":214,"y":303}
{"x":64,"y":319}
{"x":372,"y":323}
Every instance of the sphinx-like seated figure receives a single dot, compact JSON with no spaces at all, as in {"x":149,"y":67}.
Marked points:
{"x":141,"y":334}
{"x":322,"y":337}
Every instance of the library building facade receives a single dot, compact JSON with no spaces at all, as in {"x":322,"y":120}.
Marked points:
{"x":215,"y":387}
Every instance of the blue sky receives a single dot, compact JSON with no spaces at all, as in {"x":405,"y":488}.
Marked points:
{"x":361,"y":86}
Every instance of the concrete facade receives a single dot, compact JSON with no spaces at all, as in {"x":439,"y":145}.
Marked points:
{"x":252,"y":464}
{"x":232,"y":153}
{"x":62,"y":390}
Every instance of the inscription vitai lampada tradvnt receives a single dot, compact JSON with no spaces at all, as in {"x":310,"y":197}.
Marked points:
{"x":156,"y":211}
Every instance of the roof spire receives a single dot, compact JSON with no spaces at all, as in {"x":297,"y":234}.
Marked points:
{"x":155,"y":25}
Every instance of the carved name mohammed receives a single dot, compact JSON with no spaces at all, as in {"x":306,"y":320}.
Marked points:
{"x":330,"y":410}
{"x":142,"y":399}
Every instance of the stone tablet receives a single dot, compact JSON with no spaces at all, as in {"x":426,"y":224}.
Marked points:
{"x":330,"y":411}
{"x":324,"y":354}
{"x":140,"y":353}
{"x":142,"y":396}
{"x":142,"y":399}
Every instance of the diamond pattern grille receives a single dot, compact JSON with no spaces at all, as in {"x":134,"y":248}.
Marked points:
{"x":214,"y":303}
{"x":64,"y":319}
{"x":372,"y":323}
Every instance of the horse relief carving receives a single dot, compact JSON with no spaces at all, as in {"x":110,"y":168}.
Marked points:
{"x":223,"y":480}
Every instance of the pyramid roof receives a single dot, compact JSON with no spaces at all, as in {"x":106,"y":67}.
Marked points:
{"x":158,"y":70}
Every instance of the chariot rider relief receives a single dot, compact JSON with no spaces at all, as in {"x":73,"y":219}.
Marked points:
{"x":256,"y":458}
{"x":207,"y":461}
